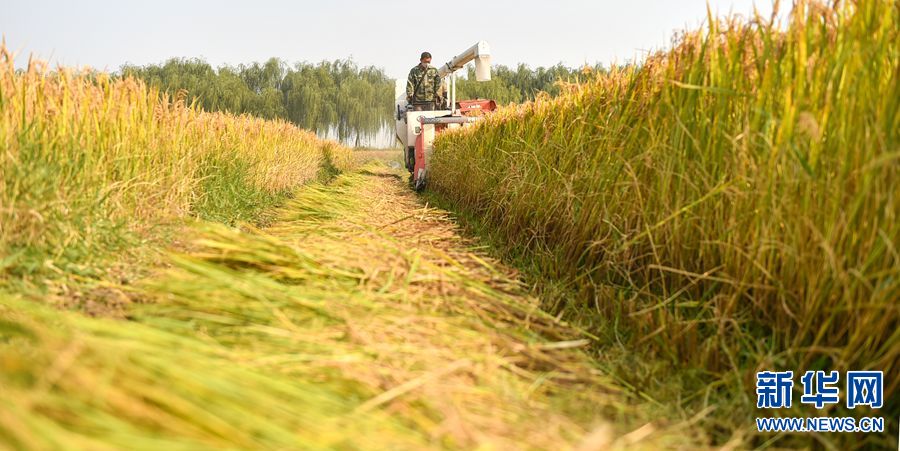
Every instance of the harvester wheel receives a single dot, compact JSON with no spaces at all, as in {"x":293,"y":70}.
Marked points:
{"x":410,"y":158}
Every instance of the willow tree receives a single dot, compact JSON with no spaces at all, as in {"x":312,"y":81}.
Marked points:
{"x":328,"y":97}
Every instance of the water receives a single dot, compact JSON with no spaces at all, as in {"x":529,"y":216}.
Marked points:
{"x":383,"y":139}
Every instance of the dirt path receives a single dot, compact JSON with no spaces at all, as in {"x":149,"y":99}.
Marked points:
{"x":358,"y":319}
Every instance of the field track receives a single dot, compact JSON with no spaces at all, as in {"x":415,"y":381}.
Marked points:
{"x":358,"y":318}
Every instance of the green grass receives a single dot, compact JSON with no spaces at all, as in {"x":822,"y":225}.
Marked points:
{"x":727,"y":206}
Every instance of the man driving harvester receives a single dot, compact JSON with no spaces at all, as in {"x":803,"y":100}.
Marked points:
{"x":423,"y":86}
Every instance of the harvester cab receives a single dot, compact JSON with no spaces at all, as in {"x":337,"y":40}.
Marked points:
{"x":416,"y":130}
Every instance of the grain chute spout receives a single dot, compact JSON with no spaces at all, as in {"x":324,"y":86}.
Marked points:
{"x":480,"y":53}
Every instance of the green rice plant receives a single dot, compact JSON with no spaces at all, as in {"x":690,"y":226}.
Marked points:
{"x":725,"y":207}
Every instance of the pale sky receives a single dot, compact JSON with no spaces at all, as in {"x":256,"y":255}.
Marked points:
{"x":389,"y":34}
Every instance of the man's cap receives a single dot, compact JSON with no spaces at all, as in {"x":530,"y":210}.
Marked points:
{"x":425,"y":55}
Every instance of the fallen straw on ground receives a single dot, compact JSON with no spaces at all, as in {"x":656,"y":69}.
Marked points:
{"x":344,"y":324}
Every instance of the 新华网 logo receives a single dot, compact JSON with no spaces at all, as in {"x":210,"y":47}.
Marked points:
{"x":774,"y":390}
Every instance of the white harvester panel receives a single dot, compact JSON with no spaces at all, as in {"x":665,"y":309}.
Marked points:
{"x":413,"y":126}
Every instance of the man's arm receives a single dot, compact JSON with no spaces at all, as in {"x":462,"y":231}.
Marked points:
{"x":437,"y":84}
{"x":410,"y":85}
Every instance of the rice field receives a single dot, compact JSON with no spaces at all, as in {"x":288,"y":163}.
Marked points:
{"x":172,"y":278}
{"x":725,"y":207}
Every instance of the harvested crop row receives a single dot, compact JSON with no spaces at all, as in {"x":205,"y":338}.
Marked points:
{"x":359,"y":319}
{"x":728,"y":206}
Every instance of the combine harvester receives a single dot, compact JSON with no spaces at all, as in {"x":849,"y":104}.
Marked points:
{"x":416,"y":129}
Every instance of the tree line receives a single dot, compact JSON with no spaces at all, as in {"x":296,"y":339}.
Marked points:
{"x":337,"y":98}
{"x":522,"y":83}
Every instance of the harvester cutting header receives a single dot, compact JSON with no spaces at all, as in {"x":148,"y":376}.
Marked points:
{"x":428,"y":106}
